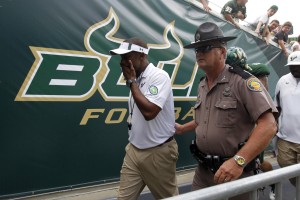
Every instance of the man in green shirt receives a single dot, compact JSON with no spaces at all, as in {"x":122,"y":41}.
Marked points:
{"x":234,"y":10}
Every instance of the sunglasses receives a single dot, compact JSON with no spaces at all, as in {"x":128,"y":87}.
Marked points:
{"x":205,"y":49}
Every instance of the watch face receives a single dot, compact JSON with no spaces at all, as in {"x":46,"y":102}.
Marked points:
{"x":128,"y":83}
{"x":241,"y":161}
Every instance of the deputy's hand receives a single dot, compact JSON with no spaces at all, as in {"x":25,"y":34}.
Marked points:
{"x":229,"y":171}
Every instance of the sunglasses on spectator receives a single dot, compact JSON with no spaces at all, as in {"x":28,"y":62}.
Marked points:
{"x":205,"y":49}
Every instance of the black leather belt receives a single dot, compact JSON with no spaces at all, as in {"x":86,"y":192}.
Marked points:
{"x":168,"y":140}
{"x":212,"y":162}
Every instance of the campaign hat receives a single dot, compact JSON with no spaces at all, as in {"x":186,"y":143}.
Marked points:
{"x":208,"y":32}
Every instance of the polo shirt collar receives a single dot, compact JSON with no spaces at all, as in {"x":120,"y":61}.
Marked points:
{"x":147,"y":71}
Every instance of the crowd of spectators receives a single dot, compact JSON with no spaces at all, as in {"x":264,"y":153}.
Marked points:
{"x":235,"y":10}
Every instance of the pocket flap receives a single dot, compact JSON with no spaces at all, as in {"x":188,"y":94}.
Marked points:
{"x":226,"y":104}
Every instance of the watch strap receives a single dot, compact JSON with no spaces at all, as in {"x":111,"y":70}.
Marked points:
{"x":129,"y":82}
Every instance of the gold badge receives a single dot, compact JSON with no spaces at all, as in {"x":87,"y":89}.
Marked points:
{"x":254,"y":85}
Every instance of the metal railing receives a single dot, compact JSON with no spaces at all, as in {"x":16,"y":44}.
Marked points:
{"x":250,"y":184}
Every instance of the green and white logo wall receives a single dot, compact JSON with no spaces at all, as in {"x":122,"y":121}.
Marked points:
{"x":63,"y":97}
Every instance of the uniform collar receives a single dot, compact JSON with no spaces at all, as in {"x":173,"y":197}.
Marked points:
{"x":222,"y":78}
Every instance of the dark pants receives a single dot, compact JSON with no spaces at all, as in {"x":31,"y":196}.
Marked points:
{"x":205,"y":178}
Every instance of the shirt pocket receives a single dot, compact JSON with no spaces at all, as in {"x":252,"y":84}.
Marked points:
{"x":226,"y":113}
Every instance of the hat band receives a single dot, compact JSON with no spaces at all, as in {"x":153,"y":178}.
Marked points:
{"x":133,"y":47}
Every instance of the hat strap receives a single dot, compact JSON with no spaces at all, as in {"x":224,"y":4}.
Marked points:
{"x":133,"y":47}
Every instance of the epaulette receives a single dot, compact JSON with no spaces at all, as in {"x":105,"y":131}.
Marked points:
{"x":239,"y":71}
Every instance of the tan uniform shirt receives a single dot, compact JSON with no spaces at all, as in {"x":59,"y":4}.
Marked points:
{"x":226,"y":114}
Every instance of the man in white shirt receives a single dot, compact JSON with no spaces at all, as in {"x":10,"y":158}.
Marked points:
{"x":263,"y":20}
{"x":287,"y":98}
{"x":152,"y":151}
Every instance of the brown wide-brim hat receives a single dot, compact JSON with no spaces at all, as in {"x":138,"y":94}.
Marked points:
{"x":208,"y":32}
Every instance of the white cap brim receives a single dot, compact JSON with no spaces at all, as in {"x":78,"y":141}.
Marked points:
{"x":127,"y":47}
{"x":292,"y":63}
{"x":119,"y":51}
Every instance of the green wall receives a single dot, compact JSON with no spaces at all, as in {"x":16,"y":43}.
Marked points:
{"x":62,"y":136}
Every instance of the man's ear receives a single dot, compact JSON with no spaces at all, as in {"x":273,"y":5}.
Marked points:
{"x":224,"y":52}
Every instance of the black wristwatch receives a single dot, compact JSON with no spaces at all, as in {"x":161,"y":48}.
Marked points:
{"x":129,"y":82}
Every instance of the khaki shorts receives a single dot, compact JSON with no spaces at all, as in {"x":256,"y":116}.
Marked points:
{"x":288,"y":154}
{"x":154,"y":167}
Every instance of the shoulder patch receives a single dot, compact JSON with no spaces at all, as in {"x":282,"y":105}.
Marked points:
{"x":153,"y":90}
{"x":254,"y":85}
{"x":239,"y":71}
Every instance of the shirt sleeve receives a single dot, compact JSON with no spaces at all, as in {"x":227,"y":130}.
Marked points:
{"x":279,"y":36}
{"x":255,"y":97}
{"x":159,"y":89}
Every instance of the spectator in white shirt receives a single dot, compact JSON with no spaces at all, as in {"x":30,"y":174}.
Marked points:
{"x":263,"y":20}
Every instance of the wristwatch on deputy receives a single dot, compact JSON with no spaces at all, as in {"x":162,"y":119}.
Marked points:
{"x":129,"y":82}
{"x":240,"y":160}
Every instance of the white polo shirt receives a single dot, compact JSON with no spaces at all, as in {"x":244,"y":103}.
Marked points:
{"x":155,"y":84}
{"x":287,"y":96}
